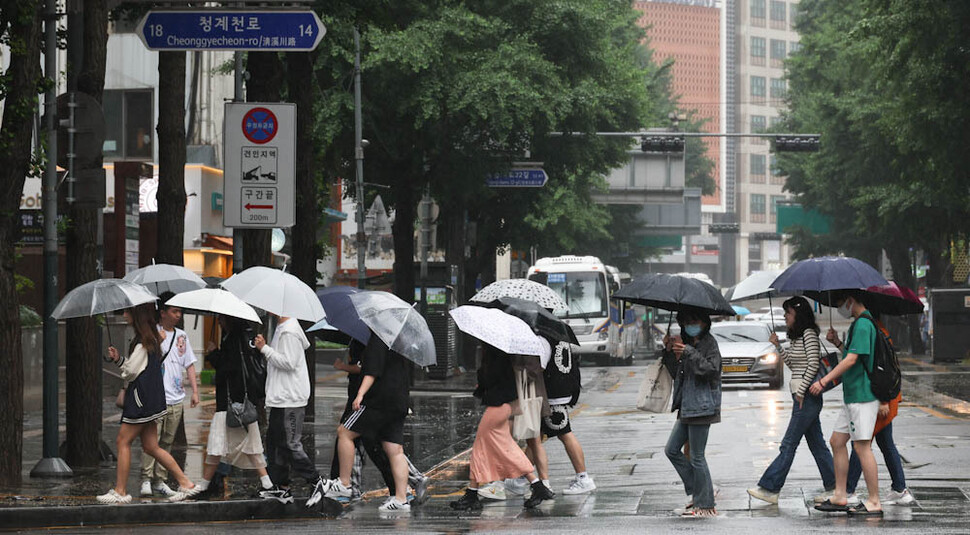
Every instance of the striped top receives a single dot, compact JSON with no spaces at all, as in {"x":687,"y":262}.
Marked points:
{"x":802,"y":358}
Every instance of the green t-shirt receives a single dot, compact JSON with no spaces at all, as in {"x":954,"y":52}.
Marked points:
{"x":862,"y":342}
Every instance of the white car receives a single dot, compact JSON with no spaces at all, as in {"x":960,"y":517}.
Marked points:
{"x":746,"y":354}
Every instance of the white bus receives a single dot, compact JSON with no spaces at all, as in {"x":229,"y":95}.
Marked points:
{"x":583,"y":283}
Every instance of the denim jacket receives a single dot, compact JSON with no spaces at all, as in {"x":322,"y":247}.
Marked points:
{"x":697,"y":378}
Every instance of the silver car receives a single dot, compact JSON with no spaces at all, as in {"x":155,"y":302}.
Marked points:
{"x":746,"y":354}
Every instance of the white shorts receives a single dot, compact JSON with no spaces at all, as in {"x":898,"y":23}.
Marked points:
{"x":858,"y":420}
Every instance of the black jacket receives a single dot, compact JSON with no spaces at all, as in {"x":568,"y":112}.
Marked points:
{"x":227,"y":361}
{"x":496,"y":378}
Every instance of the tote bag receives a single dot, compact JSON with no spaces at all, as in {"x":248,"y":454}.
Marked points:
{"x":655,"y":390}
{"x":526,"y":424}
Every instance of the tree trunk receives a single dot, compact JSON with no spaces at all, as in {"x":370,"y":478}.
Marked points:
{"x":83,"y":394}
{"x":901,"y":263}
{"x":299,"y":79}
{"x":403,"y":228}
{"x":22,"y":26}
{"x":265,"y":72}
{"x":171,"y":157}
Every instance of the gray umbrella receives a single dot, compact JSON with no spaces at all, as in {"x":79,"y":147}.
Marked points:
{"x":162,"y":278}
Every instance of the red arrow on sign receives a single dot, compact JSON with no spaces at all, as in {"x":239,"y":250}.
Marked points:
{"x":259,"y":206}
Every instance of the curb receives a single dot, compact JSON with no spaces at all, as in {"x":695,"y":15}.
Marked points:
{"x":162,"y":513}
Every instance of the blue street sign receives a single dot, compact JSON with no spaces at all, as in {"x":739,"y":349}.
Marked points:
{"x":287,"y":31}
{"x":519,"y":178}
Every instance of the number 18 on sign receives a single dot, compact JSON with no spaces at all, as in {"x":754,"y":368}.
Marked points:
{"x":260,"y":177}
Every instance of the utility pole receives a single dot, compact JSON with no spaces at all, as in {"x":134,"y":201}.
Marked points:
{"x":359,"y":157}
{"x":51,"y":465}
{"x":237,"y":96}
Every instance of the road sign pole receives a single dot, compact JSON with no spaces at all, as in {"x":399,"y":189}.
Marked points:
{"x":359,"y":157}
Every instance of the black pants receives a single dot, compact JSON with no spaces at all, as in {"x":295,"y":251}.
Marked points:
{"x":284,"y":451}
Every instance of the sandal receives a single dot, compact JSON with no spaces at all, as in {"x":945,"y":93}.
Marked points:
{"x":861,"y":510}
{"x":828,"y":507}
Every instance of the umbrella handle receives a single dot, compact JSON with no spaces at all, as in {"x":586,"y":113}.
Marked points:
{"x":771,"y":313}
{"x":830,"y":309}
{"x":107,"y":328}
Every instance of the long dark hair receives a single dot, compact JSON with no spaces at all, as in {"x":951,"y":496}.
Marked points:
{"x":144,"y":320}
{"x":688,"y":316}
{"x":804,"y":317}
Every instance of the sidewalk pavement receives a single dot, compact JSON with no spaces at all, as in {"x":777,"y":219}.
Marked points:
{"x":623,"y":451}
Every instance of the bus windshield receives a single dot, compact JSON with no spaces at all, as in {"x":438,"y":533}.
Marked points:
{"x":583,"y":291}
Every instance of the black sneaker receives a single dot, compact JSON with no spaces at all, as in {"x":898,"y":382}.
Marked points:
{"x":468,"y":502}
{"x":276,"y":493}
{"x":540,"y":493}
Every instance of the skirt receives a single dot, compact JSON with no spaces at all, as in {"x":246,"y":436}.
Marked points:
{"x":496,"y":456}
{"x":242,"y":448}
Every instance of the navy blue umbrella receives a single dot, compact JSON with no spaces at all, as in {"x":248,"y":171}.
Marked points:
{"x":341,"y":312}
{"x":828,"y":273}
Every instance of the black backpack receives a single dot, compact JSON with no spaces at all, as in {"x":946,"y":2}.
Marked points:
{"x":885,"y":379}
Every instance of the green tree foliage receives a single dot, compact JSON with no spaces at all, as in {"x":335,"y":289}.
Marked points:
{"x":885,"y":82}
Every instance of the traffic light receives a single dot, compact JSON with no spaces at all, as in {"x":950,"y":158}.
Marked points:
{"x":804,"y":143}
{"x":662,"y":143}
{"x":724,"y":228}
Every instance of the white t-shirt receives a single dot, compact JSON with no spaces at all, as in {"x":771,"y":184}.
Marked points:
{"x":178,"y":355}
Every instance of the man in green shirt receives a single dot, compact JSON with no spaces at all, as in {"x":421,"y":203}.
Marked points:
{"x":860,"y":408}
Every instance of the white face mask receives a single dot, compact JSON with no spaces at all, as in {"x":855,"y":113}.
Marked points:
{"x":845,"y":310}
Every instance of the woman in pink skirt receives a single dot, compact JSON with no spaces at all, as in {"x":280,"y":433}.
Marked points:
{"x":495,"y":454}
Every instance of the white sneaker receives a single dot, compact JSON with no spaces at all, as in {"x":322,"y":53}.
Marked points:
{"x":820,"y":498}
{"x":319,"y":489}
{"x":518,"y":486}
{"x":763,"y":494}
{"x":161,"y":488}
{"x":336,"y":490}
{"x":853,"y":499}
{"x":492,"y":491}
{"x":146,"y":489}
{"x":580,"y":485}
{"x":112,"y":497}
{"x":394,"y":506}
{"x":899,"y":498}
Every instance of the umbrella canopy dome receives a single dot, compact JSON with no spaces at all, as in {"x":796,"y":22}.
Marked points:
{"x":755,"y":286}
{"x":828,"y":273}
{"x":276,"y":291}
{"x":526,"y":289}
{"x":890,"y":298}
{"x":539,"y":319}
{"x":675,"y":293}
{"x":102,"y":296}
{"x":341,"y":313}
{"x":215,"y":301}
{"x":502,"y":331}
{"x":397,"y":324}
{"x":740,"y":311}
{"x":162,"y":278}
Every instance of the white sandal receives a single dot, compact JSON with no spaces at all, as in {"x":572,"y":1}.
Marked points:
{"x":112,"y":497}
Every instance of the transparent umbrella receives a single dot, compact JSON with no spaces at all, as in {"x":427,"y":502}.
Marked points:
{"x":397,"y":324}
{"x":100,"y":297}
{"x":161,"y":278}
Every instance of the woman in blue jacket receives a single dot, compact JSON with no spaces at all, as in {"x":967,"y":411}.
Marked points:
{"x":694,"y":362}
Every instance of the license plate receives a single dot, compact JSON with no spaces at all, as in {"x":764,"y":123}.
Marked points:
{"x":735,"y":368}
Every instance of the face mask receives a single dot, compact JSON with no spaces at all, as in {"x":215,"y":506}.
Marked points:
{"x":692,"y":330}
{"x":845,"y":310}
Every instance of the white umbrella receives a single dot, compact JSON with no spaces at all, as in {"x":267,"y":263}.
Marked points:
{"x":502,"y":331}
{"x":322,"y":325}
{"x":756,"y":286}
{"x":533,"y":291}
{"x":276,"y":291}
{"x":398,"y":324}
{"x":216,"y":301}
{"x":100,"y":297}
{"x":166,"y":278}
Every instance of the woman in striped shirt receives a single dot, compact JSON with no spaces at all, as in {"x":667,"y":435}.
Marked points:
{"x":803,"y":360}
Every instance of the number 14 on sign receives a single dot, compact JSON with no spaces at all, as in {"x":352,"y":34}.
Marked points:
{"x":306,"y":29}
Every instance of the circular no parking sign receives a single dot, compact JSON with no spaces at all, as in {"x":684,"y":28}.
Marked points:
{"x":259,"y":125}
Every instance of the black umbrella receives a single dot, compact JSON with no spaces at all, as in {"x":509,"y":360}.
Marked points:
{"x":543,"y":322}
{"x":675,"y":293}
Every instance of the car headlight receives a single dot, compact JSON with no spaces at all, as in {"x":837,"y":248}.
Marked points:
{"x":604,"y":334}
{"x":769,"y":358}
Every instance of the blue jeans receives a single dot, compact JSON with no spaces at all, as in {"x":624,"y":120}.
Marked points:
{"x":804,"y":423}
{"x":693,"y":472}
{"x":884,"y":439}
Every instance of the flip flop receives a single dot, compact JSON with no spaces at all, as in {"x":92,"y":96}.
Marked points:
{"x":862,"y":510}
{"x":828,"y":507}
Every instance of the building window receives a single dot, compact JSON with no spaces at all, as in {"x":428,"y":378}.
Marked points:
{"x":774,"y":124}
{"x":773,"y":207}
{"x":758,"y":164}
{"x":777,"y":12}
{"x":777,"y":178}
{"x":754,"y":255}
{"x":757,"y":9}
{"x":757,"y":208}
{"x":794,"y":46}
{"x":129,"y":124}
{"x":757,"y":124}
{"x":777,"y":52}
{"x":777,"y":88}
{"x":758,"y":86}
{"x":793,"y":14}
{"x":758,"y":47}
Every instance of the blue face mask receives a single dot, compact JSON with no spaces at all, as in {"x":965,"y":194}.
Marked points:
{"x":692,"y":330}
